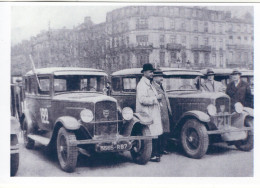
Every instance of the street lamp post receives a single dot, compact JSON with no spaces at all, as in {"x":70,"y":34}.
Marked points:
{"x":178,"y":62}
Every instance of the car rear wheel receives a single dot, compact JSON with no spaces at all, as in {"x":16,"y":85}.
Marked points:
{"x":67,"y":151}
{"x":248,"y":143}
{"x":28,"y":142}
{"x":142,"y":149}
{"x":194,"y":139}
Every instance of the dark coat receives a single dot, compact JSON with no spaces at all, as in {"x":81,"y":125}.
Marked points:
{"x":165,"y":108}
{"x":239,"y":93}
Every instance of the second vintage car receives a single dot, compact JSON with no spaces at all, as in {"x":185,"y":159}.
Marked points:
{"x":65,"y":108}
{"x":198,"y":118}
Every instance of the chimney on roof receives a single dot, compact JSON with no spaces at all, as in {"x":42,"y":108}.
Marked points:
{"x":87,"y":20}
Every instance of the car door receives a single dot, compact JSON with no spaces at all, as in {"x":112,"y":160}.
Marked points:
{"x":43,"y":103}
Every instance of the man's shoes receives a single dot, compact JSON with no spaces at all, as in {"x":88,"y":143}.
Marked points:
{"x":164,"y":152}
{"x":155,"y":159}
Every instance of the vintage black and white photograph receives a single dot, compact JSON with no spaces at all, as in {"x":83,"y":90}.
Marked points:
{"x":132,"y":90}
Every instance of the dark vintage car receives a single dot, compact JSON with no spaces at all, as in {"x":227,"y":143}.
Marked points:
{"x":14,"y":129}
{"x":224,"y":76}
{"x":198,"y":118}
{"x":66,"y":108}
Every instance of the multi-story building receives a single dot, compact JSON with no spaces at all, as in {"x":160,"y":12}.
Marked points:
{"x":171,"y":36}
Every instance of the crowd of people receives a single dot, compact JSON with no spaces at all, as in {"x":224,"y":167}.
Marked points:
{"x":152,"y":99}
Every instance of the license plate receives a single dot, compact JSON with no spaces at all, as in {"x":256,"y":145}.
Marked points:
{"x":222,"y":121}
{"x":108,"y":147}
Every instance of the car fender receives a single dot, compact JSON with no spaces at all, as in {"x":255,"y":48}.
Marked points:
{"x":28,"y":118}
{"x":249,"y":111}
{"x":137,"y":120}
{"x":202,"y":116}
{"x":68,"y":122}
{"x":15,"y":126}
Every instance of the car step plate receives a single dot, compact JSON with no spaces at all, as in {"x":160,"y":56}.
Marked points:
{"x":42,"y":140}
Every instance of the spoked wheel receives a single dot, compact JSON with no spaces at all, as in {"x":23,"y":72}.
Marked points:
{"x":28,"y":142}
{"x":67,"y":150}
{"x":142,"y":149}
{"x":194,"y":139}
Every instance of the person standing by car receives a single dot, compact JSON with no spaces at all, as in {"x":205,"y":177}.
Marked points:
{"x":165,"y":109}
{"x":211,"y":85}
{"x":149,"y":101}
{"x":238,"y":90}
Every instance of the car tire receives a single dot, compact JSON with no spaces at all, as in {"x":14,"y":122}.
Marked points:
{"x":194,"y":138}
{"x":67,"y":151}
{"x":142,"y":149}
{"x":14,"y":163}
{"x":248,"y":143}
{"x":28,"y":142}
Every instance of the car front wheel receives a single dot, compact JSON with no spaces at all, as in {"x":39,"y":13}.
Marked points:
{"x":248,"y":143}
{"x":14,"y":156}
{"x":142,"y":149}
{"x":67,"y":151}
{"x":194,"y":139}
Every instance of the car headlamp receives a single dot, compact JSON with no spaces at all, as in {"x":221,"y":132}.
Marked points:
{"x":212,"y":110}
{"x":239,"y":107}
{"x":127,"y":113}
{"x":86,"y":115}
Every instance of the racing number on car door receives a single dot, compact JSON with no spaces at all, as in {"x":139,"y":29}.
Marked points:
{"x":44,"y":115}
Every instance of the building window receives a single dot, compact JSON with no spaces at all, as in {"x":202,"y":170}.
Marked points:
{"x":206,"y":41}
{"x":238,"y":28}
{"x":172,"y":24}
{"x":172,"y":39}
{"x":183,"y":26}
{"x":142,"y":58}
{"x":161,"y":23}
{"x":221,"y":60}
{"x":127,"y":40}
{"x":173,"y":57}
{"x":252,"y":38}
{"x":206,"y":58}
{"x":230,"y":27}
{"x":162,"y":38}
{"x":206,"y":27}
{"x":195,"y":26}
{"x":196,"y":41}
{"x":239,"y":40}
{"x":214,"y":61}
{"x":183,"y":39}
{"x":141,"y":38}
{"x":142,"y":23}
{"x":220,"y":43}
{"x":245,"y":38}
{"x":231,"y":56}
{"x":162,"y":58}
{"x":196,"y":58}
{"x":220,"y":28}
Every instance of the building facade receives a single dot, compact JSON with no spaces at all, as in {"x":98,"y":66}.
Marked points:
{"x":169,"y":36}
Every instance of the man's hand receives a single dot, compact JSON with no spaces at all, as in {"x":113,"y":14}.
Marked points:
{"x":159,"y":97}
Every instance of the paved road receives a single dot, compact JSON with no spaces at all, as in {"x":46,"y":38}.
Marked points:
{"x":221,"y":161}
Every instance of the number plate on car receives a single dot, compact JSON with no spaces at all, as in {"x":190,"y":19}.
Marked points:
{"x":108,"y":147}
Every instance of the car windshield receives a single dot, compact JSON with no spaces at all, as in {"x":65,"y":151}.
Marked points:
{"x":81,"y":83}
{"x":183,"y":83}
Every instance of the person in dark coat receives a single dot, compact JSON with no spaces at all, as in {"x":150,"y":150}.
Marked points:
{"x":165,"y":109}
{"x":238,"y":90}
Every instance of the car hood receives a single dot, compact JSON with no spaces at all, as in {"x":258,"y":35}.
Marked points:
{"x":84,"y":97}
{"x":196,"y":94}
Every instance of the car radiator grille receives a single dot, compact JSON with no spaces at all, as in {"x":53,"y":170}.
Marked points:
{"x":105,"y":118}
{"x":223,"y":105}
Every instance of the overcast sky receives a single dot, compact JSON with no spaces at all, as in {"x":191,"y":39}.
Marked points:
{"x":27,"y":21}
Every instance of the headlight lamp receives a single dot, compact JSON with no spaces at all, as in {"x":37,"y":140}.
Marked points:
{"x":212,"y":110}
{"x":127,"y":113}
{"x":86,"y":115}
{"x":239,"y":107}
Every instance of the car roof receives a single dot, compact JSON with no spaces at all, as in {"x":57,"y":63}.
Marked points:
{"x":228,"y":71}
{"x":166,"y":71}
{"x":68,"y":71}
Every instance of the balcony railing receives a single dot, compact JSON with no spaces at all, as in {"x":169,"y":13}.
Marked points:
{"x":239,"y":46}
{"x":174,"y":46}
{"x":204,"y":48}
{"x":142,"y":45}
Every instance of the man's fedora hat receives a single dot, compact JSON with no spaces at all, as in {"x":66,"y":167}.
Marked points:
{"x":210,"y":72}
{"x":236,"y":71}
{"x":157,"y":72}
{"x":147,"y":66}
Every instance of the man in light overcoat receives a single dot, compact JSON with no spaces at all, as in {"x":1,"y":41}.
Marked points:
{"x":210,"y":85}
{"x":148,"y":101}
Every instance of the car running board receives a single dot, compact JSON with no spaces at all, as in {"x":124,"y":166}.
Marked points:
{"x":42,"y":140}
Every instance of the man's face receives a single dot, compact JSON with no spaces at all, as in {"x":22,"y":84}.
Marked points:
{"x":148,"y":74}
{"x":158,"y":79}
{"x":210,"y":77}
{"x":236,"y":77}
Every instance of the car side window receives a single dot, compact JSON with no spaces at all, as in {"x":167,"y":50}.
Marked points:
{"x":31,"y":86}
{"x":116,"y":84}
{"x":129,"y":84}
{"x":45,"y":86}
